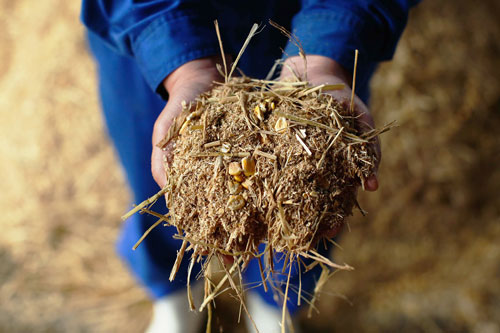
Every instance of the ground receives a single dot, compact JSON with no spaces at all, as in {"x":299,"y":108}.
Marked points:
{"x":427,"y":255}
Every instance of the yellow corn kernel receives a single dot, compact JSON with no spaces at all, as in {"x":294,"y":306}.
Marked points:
{"x":247,"y":183}
{"x":239,"y":178}
{"x":234,"y":169}
{"x":184,"y":127}
{"x":281,"y":124}
{"x":196,"y":127}
{"x":258,"y":112}
{"x":236,"y":202}
{"x":194,"y":114}
{"x":273,"y":106}
{"x":248,"y":165}
{"x":234,"y":187}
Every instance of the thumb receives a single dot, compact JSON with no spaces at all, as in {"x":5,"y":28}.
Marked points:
{"x":185,"y":93}
{"x":161,"y":156}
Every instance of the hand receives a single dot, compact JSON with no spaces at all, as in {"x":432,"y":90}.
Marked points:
{"x":184,"y":84}
{"x":322,"y":70}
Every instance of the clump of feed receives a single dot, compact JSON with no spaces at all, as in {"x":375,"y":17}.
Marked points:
{"x":264,"y":161}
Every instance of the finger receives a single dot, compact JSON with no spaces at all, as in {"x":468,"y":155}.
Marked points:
{"x":160,"y":156}
{"x":371,"y":183}
{"x":228,"y":260}
{"x":364,"y":123}
{"x":335,"y":231}
{"x":158,"y":166}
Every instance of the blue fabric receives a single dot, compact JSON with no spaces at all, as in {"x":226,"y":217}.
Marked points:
{"x":137,"y":43}
{"x":130,"y":109}
{"x":162,"y":35}
{"x":306,"y":280}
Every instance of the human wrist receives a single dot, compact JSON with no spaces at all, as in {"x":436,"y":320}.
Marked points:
{"x":318,"y":67}
{"x":193,"y":71}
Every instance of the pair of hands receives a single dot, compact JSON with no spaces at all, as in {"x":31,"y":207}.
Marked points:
{"x":195,"y":77}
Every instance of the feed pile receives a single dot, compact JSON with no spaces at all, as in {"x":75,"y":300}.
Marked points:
{"x":262,"y":161}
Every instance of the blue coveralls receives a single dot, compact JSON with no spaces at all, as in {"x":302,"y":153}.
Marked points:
{"x":137,"y":43}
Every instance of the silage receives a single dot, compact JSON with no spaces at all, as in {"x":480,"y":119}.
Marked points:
{"x":262,"y":161}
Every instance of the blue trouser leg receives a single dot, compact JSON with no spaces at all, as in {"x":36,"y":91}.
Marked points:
{"x":279,"y":279}
{"x":130,"y":109}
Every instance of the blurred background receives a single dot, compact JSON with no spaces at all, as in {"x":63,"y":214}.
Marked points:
{"x":427,"y":255}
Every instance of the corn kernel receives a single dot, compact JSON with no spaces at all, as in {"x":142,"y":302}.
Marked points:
{"x":194,"y":114}
{"x":258,"y":112}
{"x":234,"y":168}
{"x":239,"y":178}
{"x":234,"y":187}
{"x":273,"y":106}
{"x":248,"y":165}
{"x":235,"y":202}
{"x":196,"y":127}
{"x":247,"y":183}
{"x":184,"y":127}
{"x":281,"y":124}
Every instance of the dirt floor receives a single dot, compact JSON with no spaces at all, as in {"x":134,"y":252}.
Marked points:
{"x":427,"y":256}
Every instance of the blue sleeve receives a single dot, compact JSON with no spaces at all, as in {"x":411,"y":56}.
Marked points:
{"x":160,"y":35}
{"x":336,"y":28}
